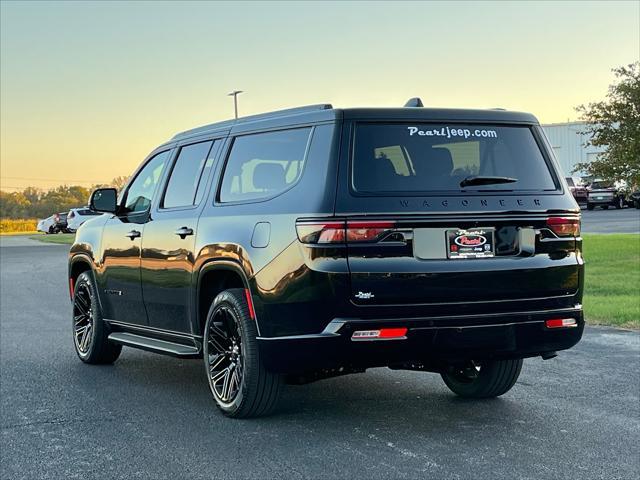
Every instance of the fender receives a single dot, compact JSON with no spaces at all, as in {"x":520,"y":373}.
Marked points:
{"x":85,"y":258}
{"x":223,"y":264}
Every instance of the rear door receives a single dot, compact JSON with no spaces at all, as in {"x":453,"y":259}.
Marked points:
{"x":453,"y":213}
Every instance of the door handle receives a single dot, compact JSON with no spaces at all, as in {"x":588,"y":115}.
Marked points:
{"x":182,"y":232}
{"x":132,"y":234}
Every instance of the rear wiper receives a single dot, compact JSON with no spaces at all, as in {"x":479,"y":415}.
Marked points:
{"x":482,"y":180}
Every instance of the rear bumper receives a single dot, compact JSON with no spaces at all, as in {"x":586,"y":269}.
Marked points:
{"x":473,"y":337}
{"x":606,"y":201}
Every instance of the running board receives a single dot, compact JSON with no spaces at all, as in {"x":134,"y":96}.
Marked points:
{"x":155,"y":345}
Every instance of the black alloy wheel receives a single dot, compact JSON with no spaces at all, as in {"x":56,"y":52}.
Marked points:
{"x":224,"y":356}
{"x":90,"y":333}
{"x":82,"y":318}
{"x":238,"y":380}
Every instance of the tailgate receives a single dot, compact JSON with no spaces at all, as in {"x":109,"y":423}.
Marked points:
{"x":427,"y":261}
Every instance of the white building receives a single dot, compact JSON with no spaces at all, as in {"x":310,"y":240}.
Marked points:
{"x":569,"y":145}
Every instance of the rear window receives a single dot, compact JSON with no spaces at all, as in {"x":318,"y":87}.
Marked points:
{"x":602,"y":184}
{"x":401,"y":158}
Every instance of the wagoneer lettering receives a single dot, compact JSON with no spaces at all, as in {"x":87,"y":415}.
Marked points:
{"x":314,"y":242}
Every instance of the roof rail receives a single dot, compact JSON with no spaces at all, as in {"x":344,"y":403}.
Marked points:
{"x":286,"y":112}
{"x":251,"y":118}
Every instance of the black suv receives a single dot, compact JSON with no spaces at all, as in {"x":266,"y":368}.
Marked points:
{"x":313,"y":242}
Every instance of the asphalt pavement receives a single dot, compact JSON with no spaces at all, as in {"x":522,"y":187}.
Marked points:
{"x":151,"y":417}
{"x":612,"y":220}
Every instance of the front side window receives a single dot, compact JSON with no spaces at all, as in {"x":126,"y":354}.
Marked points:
{"x":140,"y":192}
{"x":264,"y":164}
{"x":423,"y":158}
{"x":186,"y":175}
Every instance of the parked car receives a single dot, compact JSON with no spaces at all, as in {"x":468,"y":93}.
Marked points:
{"x":605,"y":194}
{"x":60,"y":223}
{"x":46,"y":225}
{"x":634,"y":199}
{"x":55,"y":223}
{"x":314,"y":242}
{"x":577,"y":189}
{"x":77,"y":216}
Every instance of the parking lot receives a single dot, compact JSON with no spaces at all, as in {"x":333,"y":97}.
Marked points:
{"x":149,"y":416}
{"x":626,"y":220}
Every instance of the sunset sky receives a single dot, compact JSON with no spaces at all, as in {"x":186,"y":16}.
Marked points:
{"x":88,"y":89}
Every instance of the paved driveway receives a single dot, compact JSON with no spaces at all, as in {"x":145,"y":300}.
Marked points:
{"x":151,"y":417}
{"x":612,"y":220}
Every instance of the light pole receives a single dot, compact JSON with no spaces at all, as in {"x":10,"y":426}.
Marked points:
{"x":235,"y":94}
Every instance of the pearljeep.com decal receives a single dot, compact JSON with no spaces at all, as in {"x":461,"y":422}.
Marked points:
{"x":448,"y":132}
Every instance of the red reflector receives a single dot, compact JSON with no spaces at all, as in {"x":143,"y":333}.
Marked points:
{"x":561,"y":323}
{"x":247,"y":295}
{"x":71,"y":288}
{"x":393,"y":332}
{"x":564,"y":227}
{"x":382,"y":334}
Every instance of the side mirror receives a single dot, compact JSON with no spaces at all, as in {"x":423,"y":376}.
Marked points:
{"x":104,"y":200}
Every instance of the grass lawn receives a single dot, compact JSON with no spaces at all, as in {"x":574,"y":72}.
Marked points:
{"x":612,"y":281}
{"x":55,"y":238}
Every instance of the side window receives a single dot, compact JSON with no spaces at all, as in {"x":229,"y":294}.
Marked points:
{"x":186,"y":175}
{"x":140,"y":193}
{"x":264,"y":164}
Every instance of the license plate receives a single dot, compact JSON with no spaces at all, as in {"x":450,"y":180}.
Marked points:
{"x":473,"y":243}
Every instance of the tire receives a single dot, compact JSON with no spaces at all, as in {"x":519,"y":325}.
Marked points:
{"x":590,"y":206}
{"x":88,"y":329}
{"x":490,"y":379}
{"x":637,"y":204}
{"x":238,"y":381}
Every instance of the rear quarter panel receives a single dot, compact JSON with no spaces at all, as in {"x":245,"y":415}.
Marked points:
{"x":279,"y":275}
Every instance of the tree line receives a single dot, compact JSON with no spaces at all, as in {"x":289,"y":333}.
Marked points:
{"x":38,"y":203}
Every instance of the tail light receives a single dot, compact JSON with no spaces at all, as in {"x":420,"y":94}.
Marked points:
{"x":564,"y":227}
{"x":367,"y":231}
{"x":342,"y":232}
{"x":322,"y":232}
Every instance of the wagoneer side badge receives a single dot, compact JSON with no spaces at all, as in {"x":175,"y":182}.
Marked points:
{"x":364,"y":295}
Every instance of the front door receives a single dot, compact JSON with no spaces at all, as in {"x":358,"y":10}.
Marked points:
{"x":122,"y":240}
{"x":169,"y":239}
